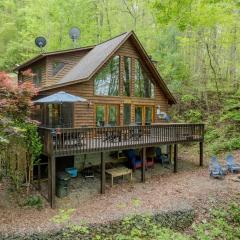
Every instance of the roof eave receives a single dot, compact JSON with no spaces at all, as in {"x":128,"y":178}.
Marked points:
{"x":59,"y":85}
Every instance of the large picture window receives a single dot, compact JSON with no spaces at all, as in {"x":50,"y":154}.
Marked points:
{"x":107,"y":81}
{"x":127,"y":76}
{"x":143,"y":86}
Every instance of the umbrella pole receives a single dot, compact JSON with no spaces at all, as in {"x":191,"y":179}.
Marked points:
{"x":60,"y":114}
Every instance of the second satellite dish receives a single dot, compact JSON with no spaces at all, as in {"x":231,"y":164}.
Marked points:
{"x":40,"y":42}
{"x":74,"y":34}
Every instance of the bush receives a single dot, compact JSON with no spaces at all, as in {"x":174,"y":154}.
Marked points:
{"x":224,"y":224}
{"x":34,"y":201}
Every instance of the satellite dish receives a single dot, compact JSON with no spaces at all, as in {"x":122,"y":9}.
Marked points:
{"x":74,"y":34}
{"x":40,"y":42}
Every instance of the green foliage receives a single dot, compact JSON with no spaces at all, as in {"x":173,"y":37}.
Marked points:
{"x":186,"y":98}
{"x":194,"y":116}
{"x":32,"y":140}
{"x":34,"y":201}
{"x":63,"y":216}
{"x":224,"y":224}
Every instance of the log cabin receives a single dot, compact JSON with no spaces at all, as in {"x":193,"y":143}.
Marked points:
{"x":126,"y":108}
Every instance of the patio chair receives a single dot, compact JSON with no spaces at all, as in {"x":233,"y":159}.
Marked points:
{"x":163,"y":158}
{"x":135,"y":160}
{"x":215,"y":169}
{"x":232,"y":166}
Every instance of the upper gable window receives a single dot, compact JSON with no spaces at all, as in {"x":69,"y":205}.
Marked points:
{"x":56,"y":67}
{"x":127,"y":76}
{"x":107,"y":80}
{"x":37,"y":76}
{"x":143,"y":86}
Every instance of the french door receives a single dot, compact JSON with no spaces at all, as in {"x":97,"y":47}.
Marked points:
{"x":107,"y":114}
{"x":143,"y":115}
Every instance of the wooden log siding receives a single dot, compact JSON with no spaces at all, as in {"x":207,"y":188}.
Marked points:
{"x":71,"y":141}
{"x":84,"y":114}
{"x":69,"y":59}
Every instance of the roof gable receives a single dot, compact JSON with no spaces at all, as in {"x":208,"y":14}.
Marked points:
{"x":100,"y":54}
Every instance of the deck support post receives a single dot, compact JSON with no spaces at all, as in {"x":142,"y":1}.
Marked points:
{"x":175,"y":158}
{"x":53,"y":174}
{"x":170,"y":152}
{"x":39,"y":175}
{"x":143,"y":164}
{"x":201,"y":154}
{"x":51,"y":180}
{"x":103,"y":177}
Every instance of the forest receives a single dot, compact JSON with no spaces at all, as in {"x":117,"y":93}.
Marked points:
{"x":194,"y":42}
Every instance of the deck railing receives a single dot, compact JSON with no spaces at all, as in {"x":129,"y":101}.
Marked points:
{"x":70,"y":141}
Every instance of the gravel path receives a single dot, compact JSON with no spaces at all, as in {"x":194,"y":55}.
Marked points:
{"x":160,"y":193}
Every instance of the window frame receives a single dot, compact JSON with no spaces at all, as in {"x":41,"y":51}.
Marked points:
{"x":60,"y":70}
{"x":37,"y":72}
{"x":124,"y":75}
{"x":106,"y":113}
{"x":130,"y":105}
{"x":149,"y":78}
{"x":144,"y":113}
{"x":119,"y":77}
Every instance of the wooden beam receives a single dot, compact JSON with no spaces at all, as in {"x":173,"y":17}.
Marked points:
{"x":103,"y":177}
{"x":143,"y":164}
{"x":39,"y":175}
{"x":170,"y":152}
{"x":53,"y":181}
{"x":49,"y":180}
{"x":175,"y":158}
{"x":201,"y":154}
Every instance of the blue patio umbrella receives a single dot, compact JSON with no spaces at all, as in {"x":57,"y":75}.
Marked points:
{"x":60,"y":98}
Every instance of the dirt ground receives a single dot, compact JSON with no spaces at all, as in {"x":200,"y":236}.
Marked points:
{"x":163,"y":191}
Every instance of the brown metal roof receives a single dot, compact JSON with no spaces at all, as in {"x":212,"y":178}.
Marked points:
{"x":93,"y":60}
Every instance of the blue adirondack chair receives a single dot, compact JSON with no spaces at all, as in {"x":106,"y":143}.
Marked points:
{"x":232,"y":166}
{"x":162,"y":157}
{"x":215,"y":169}
{"x":134,"y":158}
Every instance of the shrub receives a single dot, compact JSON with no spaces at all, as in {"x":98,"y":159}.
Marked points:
{"x":223,"y":224}
{"x":34,"y":201}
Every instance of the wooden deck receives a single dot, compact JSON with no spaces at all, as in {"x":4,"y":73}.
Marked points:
{"x":72,"y":141}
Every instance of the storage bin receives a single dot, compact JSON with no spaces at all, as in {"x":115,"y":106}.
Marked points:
{"x":71,"y":171}
{"x":62,"y":184}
